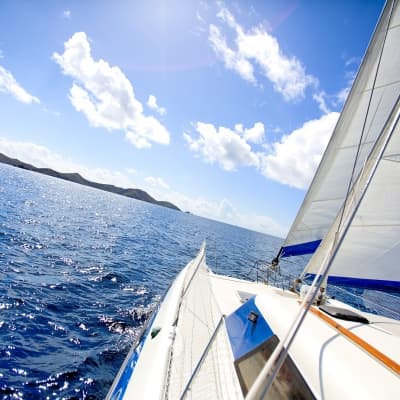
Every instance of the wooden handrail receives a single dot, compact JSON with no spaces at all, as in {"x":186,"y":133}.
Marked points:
{"x":371,"y":350}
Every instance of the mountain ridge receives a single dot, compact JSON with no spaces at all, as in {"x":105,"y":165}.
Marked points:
{"x":75,"y":177}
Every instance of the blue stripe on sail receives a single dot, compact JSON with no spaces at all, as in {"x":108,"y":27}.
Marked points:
{"x":299,"y":249}
{"x":361,"y":282}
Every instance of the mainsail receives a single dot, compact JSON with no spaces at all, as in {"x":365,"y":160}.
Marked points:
{"x":370,"y":230}
{"x":370,"y":101}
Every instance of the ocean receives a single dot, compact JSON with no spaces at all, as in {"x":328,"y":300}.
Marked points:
{"x":80,"y":271}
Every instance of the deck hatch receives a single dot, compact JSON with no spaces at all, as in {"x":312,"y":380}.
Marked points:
{"x":288,"y":384}
{"x":247,"y":329}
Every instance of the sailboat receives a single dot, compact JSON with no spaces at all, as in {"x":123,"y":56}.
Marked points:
{"x":218,"y":337}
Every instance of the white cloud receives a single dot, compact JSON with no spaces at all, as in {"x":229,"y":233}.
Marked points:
{"x":255,"y":134}
{"x":227,"y":212}
{"x":224,"y":146}
{"x":8,"y":84}
{"x":341,"y":97}
{"x":105,"y":95}
{"x":156,"y":182}
{"x":350,"y":75}
{"x":67,"y":14}
{"x":42,"y":157}
{"x":257,"y":46}
{"x":1,"y":54}
{"x":51,"y":112}
{"x":291,"y":161}
{"x":320,"y":98}
{"x":222,"y":210}
{"x":353,"y":60}
{"x":295,"y":158}
{"x":152,"y":103}
{"x":233,"y":60}
{"x":131,"y":171}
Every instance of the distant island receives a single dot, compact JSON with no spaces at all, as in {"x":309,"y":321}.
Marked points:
{"x":137,"y":194}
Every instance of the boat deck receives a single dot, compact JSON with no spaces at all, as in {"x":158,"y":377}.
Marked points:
{"x":192,"y":355}
{"x":319,"y":344}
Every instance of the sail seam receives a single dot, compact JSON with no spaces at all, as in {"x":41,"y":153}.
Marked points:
{"x":374,"y":226}
{"x":355,"y":145}
{"x":327,"y":199}
{"x":381,"y":86}
{"x":392,"y":158}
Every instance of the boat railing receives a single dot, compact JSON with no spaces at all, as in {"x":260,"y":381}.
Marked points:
{"x":271,"y":274}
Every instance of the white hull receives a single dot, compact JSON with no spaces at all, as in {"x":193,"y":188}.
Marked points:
{"x":193,"y":355}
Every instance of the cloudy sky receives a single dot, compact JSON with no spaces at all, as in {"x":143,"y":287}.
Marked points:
{"x":221,"y":108}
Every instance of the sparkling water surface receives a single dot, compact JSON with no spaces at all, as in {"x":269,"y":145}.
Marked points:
{"x":80,"y":271}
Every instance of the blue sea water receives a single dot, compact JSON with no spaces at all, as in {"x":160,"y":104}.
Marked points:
{"x":80,"y":271}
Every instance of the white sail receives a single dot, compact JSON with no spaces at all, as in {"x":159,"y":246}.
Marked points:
{"x":370,"y":249}
{"x":367,"y":108}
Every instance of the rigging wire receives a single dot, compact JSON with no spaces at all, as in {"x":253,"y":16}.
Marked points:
{"x":273,"y":365}
{"x":373,"y":304}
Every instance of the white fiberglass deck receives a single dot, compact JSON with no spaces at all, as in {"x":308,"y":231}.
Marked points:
{"x":333,"y":367}
{"x":191,"y":357}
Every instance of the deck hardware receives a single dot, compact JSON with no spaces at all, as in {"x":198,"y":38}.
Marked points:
{"x":252,"y":317}
{"x":155,"y":331}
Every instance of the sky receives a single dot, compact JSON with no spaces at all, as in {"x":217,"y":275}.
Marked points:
{"x":222,"y":108}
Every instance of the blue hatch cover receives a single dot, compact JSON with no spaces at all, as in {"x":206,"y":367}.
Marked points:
{"x":247,"y":328}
